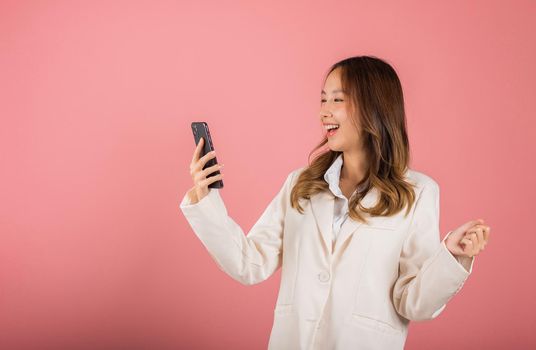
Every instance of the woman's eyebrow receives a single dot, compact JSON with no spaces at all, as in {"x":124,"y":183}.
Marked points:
{"x":334,"y":91}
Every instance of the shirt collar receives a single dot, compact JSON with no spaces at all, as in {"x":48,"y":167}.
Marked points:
{"x":332,"y":177}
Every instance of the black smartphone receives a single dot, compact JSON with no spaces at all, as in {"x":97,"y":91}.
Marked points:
{"x":200,"y":130}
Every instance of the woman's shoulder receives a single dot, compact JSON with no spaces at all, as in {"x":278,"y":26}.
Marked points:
{"x":420,"y":179}
{"x":292,"y":176}
{"x":295,"y":172}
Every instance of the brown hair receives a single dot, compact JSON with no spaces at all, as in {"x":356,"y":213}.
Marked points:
{"x":373,"y":86}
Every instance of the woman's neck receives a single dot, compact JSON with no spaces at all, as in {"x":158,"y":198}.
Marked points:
{"x":354,"y":167}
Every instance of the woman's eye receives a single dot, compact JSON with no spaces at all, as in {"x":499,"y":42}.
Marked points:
{"x":337,"y":99}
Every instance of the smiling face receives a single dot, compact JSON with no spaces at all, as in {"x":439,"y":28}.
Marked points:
{"x":334,"y":109}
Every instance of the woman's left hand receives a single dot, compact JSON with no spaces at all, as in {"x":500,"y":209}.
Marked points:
{"x":468,"y":239}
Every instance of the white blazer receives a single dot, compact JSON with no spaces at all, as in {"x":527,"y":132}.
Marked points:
{"x":358,"y":293}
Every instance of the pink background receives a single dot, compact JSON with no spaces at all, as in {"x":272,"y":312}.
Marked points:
{"x":96,"y":101}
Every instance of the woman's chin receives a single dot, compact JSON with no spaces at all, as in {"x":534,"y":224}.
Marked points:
{"x":332,"y":141}
{"x":333,"y":146}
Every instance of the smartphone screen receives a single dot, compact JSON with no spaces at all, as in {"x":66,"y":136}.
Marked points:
{"x":201,"y":130}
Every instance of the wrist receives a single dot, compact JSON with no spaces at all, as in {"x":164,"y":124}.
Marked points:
{"x":192,"y":195}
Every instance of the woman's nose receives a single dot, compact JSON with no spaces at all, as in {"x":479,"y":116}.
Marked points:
{"x":325,"y":114}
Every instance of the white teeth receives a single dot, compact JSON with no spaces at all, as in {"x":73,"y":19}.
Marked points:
{"x":331,"y":126}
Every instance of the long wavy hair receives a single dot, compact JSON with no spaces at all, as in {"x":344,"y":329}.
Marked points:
{"x":373,"y":87}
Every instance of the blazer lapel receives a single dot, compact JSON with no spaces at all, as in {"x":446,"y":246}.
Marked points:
{"x":322,"y":205}
{"x":350,"y":225}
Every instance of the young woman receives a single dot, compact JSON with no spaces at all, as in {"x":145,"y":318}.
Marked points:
{"x":356,"y":232}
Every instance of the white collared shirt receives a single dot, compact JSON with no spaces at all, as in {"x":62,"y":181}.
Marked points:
{"x":340,"y":211}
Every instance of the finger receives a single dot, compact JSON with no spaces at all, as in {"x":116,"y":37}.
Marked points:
{"x":482,"y":226}
{"x":475,"y":228}
{"x":200,"y":176}
{"x":475,"y":247}
{"x":480,"y":236}
{"x":212,"y":179}
{"x":197,"y":150}
{"x":212,"y":169}
{"x":203,"y":160}
{"x":469,"y":224}
{"x":200,"y":163}
{"x":468,"y":246}
{"x":486,"y":234}
{"x":470,"y":234}
{"x":466,"y":242}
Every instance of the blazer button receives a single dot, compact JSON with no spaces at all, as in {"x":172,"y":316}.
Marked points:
{"x":323,"y":276}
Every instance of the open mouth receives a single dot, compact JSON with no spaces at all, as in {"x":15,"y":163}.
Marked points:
{"x":332,"y":132}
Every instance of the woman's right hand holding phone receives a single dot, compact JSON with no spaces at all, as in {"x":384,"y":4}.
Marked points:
{"x":200,"y":176}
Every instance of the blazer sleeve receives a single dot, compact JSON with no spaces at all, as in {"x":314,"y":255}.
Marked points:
{"x":248,"y":259}
{"x":429,"y":275}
